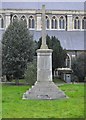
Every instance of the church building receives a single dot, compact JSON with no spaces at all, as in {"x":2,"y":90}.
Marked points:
{"x":67,"y":25}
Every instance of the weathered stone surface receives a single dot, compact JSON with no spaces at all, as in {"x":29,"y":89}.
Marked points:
{"x":44,"y":90}
{"x":44,"y":65}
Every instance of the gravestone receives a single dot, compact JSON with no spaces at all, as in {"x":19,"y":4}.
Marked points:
{"x":44,"y":87}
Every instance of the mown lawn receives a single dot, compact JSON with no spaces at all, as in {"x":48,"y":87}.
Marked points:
{"x":0,"y":101}
{"x":14,"y":107}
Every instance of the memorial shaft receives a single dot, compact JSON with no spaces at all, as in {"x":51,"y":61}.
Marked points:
{"x":44,"y":45}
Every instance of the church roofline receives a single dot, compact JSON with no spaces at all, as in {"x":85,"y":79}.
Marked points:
{"x":47,"y":11}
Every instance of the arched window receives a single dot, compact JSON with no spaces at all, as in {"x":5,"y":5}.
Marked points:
{"x":54,"y":23}
{"x":23,"y":18}
{"x":61,"y":23}
{"x":84,"y":23}
{"x":15,"y":18}
{"x":47,"y":22}
{"x":31,"y":22}
{"x":77,"y":23}
{"x":68,"y":61}
{"x":1,"y":22}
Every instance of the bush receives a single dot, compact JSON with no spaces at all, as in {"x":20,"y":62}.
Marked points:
{"x":31,"y":73}
{"x":74,"y":78}
{"x":79,"y":67}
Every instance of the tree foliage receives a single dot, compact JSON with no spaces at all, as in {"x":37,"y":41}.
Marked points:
{"x":59,"y":55}
{"x":79,"y":66}
{"x":31,"y":72}
{"x":17,"y":49}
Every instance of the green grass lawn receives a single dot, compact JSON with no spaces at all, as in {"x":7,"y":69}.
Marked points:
{"x":0,"y":101}
{"x":14,"y":107}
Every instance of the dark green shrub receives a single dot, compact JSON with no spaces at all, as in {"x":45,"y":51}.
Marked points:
{"x":31,"y":73}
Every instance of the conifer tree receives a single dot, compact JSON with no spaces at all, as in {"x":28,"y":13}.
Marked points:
{"x":17,"y":49}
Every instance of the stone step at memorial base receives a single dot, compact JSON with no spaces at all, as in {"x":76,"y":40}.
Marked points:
{"x":44,"y":90}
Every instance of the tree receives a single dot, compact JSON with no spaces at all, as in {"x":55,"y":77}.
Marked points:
{"x":17,"y":49}
{"x":59,"y":55}
{"x":79,"y":66}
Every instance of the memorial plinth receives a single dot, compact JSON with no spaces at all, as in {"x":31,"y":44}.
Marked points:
{"x":44,"y":65}
{"x":44,"y":87}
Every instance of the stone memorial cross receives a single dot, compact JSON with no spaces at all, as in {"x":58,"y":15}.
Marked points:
{"x":44,"y":88}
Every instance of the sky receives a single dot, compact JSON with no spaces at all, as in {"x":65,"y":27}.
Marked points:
{"x":36,"y":4}
{"x":42,"y":0}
